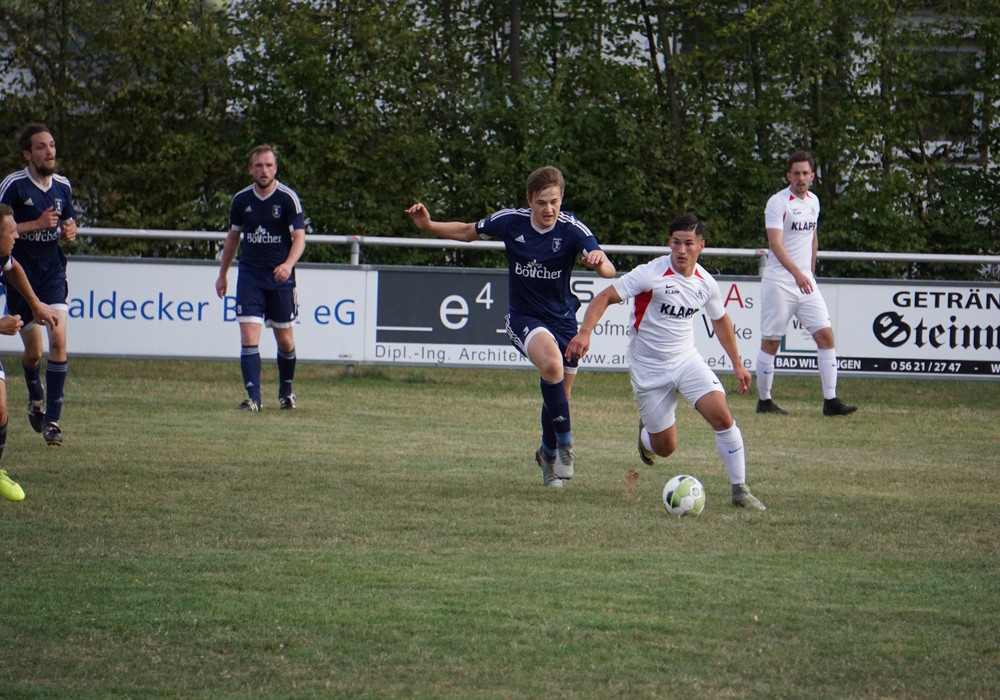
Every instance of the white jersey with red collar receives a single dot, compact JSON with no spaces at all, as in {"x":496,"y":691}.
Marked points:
{"x":798,"y":219}
{"x":661,"y":322}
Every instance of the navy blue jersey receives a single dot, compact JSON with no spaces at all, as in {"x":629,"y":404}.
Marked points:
{"x":266,"y":225}
{"x":38,"y":251}
{"x":539,"y":263}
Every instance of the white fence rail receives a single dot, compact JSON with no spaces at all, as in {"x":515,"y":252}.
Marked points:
{"x":357,"y":242}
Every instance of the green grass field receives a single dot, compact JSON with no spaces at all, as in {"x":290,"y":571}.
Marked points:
{"x":392,"y":538}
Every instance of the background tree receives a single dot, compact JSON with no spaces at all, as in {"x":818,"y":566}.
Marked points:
{"x":650,"y":107}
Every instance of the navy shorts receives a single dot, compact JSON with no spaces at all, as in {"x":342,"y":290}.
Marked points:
{"x":54,"y":291}
{"x":520,"y":330}
{"x":275,"y":308}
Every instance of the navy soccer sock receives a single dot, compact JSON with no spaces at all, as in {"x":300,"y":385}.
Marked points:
{"x":555,"y":402}
{"x":250,"y":366}
{"x":548,"y":434}
{"x":286,"y":371}
{"x":55,"y":378}
{"x":33,"y":380}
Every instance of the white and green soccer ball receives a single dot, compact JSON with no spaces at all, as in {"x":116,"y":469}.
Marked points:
{"x":684,"y":495}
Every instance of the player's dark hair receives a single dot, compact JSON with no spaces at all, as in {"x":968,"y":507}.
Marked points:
{"x":5,"y":210}
{"x":543,"y":178}
{"x":25,"y":135}
{"x":688,"y":222}
{"x":801,"y":157}
{"x":262,"y":148}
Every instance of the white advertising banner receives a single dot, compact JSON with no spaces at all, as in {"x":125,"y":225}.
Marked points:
{"x":169,"y":309}
{"x":455,"y":318}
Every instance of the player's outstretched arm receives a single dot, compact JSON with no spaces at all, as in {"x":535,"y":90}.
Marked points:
{"x":723,"y":327}
{"x":580,"y":343}
{"x":452,"y":230}
{"x":597,"y":260}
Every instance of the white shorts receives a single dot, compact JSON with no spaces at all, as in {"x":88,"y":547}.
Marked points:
{"x":778,"y":303}
{"x":656,"y":388}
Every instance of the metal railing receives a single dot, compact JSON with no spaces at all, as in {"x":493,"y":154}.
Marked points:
{"x":357,"y":242}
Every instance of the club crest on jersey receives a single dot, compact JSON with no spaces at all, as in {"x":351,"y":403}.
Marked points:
{"x":556,"y":244}
{"x":57,"y":204}
{"x":276,"y":211}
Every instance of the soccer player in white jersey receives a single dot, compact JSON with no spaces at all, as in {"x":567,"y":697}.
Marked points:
{"x":788,"y":286}
{"x":268,"y":217}
{"x":10,"y":324}
{"x":542,"y":243}
{"x":42,"y":201}
{"x":668,"y":294}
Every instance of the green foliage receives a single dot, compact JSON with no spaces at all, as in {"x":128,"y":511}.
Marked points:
{"x":650,"y":107}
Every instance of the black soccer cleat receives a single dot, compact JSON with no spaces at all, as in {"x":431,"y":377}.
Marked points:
{"x":768,"y":406}
{"x":36,"y":415}
{"x":836,"y":407}
{"x":52,"y":434}
{"x":286,"y":403}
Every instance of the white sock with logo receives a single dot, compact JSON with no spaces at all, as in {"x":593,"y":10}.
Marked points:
{"x":827,"y":360}
{"x":765,"y":374}
{"x":730,"y":445}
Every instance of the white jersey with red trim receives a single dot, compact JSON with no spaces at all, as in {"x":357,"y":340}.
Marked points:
{"x":661,"y":322}
{"x":798,"y":219}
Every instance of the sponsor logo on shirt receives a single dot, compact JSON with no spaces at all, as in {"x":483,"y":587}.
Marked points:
{"x":534,"y":270}
{"x":261,"y":235}
{"x":47,"y":236}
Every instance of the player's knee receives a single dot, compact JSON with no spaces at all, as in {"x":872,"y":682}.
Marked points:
{"x":664,"y":446}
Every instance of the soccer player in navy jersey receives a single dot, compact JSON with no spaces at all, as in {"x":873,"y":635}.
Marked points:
{"x":542,"y":243}
{"x":42,"y":201}
{"x":268,"y":217}
{"x":14,"y":276}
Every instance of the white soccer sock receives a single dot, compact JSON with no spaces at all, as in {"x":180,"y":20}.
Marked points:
{"x":827,"y":360}
{"x":730,"y":445}
{"x":765,"y":375}
{"x":644,"y":436}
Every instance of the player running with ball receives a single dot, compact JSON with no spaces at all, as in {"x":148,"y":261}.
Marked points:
{"x":669,"y":292}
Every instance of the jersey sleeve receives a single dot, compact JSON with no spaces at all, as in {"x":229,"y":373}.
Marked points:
{"x":235,"y":216}
{"x":298,"y":218}
{"x":774,"y":214}
{"x":68,"y":211}
{"x":492,"y":227}
{"x":714,"y":307}
{"x":634,"y":282}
